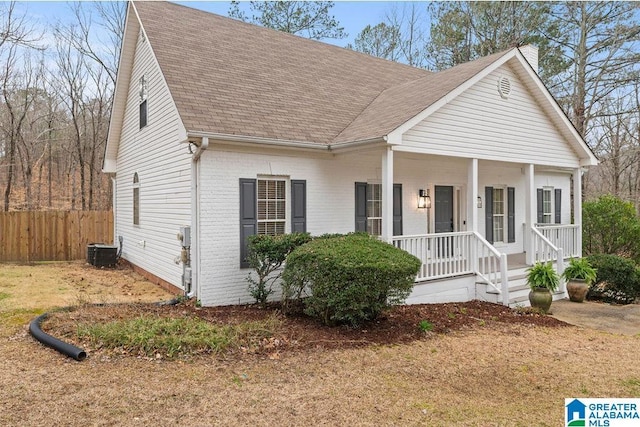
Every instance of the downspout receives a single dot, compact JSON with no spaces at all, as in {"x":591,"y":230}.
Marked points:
{"x":195,"y":219}
{"x":114,"y":206}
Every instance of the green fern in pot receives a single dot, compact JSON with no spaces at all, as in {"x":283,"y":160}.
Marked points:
{"x":543,"y":275}
{"x":543,"y":279}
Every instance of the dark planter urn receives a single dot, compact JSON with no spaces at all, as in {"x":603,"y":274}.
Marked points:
{"x":577,"y":290}
{"x":540,"y":298}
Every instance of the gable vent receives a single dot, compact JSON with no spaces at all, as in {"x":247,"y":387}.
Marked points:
{"x":504,"y":87}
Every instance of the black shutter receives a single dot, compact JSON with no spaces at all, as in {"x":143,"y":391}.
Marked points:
{"x":488,"y":212}
{"x":248,"y":216}
{"x":361,"y":206}
{"x":511,"y":216}
{"x":540,"y":206}
{"x":558,"y":205}
{"x":298,"y":206}
{"x":397,"y":209}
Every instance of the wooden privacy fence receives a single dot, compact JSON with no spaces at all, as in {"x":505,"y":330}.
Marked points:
{"x":27,"y":236}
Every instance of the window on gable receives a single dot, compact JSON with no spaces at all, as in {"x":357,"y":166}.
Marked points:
{"x":271,"y":206}
{"x":143,"y":101}
{"x":136,"y":199}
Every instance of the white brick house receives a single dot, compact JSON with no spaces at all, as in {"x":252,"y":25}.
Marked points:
{"x":234,"y":129}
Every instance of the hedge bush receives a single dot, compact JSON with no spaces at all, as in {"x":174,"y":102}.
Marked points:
{"x":610,"y":226}
{"x":617,"y":279}
{"x":266,"y":255}
{"x":350,"y":279}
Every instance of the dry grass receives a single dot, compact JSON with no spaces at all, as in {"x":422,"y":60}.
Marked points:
{"x":506,"y":375}
{"x":29,"y":290}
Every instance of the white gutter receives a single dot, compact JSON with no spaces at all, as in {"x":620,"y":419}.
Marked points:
{"x":280,"y":142}
{"x":203,"y":146}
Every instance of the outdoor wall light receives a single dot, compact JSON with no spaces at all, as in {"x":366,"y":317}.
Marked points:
{"x":424,"y":201}
{"x":479,"y":202}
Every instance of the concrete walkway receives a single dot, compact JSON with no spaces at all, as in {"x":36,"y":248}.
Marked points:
{"x":618,"y":319}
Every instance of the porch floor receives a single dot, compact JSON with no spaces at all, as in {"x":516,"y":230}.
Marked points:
{"x":516,"y":261}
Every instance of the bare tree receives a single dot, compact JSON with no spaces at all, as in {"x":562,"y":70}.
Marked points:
{"x":105,"y":50}
{"x":17,"y":99}
{"x":410,"y":22}
{"x":602,"y":47}
{"x":71,"y":83}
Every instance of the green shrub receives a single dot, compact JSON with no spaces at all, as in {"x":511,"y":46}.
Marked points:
{"x":610,"y":226}
{"x":617,"y":279}
{"x":350,"y":279}
{"x":266,"y":256}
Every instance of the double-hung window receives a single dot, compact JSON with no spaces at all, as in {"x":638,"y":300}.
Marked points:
{"x":374,"y":209}
{"x":265,"y":208}
{"x":271,"y":206}
{"x":547,"y":205}
{"x":368,"y":208}
{"x":498,"y":214}
{"x":500,"y":218}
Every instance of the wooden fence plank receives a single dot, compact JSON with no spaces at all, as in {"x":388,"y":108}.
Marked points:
{"x":27,"y":236}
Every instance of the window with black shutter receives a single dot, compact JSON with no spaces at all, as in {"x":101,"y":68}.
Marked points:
{"x":368,"y":200}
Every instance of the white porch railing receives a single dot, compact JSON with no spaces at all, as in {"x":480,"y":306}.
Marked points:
{"x":563,"y":236}
{"x":544,"y":251}
{"x":492,"y":266}
{"x":455,"y":254}
{"x":442,"y":254}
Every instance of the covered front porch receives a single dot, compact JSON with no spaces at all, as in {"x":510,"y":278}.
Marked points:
{"x":490,"y":238}
{"x":499,"y":277}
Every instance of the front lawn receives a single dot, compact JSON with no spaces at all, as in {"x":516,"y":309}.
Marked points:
{"x":476,"y":370}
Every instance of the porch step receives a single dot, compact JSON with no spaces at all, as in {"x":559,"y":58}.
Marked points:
{"x":517,"y":282}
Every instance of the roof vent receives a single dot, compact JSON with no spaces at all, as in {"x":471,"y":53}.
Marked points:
{"x":504,"y":87}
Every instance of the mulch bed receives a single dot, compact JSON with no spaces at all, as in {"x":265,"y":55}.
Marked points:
{"x":301,"y":333}
{"x":396,"y":326}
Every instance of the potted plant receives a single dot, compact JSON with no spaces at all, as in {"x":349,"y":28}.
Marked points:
{"x":543,"y":279}
{"x":579,"y":275}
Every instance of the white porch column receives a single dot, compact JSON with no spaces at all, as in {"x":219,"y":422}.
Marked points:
{"x":472,"y":195}
{"x":577,"y":207}
{"x":387,"y":195}
{"x":530,"y":213}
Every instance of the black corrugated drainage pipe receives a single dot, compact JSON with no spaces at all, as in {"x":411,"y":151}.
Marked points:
{"x":65,"y":348}
{"x":60,"y":346}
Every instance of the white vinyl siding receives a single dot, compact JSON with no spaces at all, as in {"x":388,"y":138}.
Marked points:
{"x":480,"y":124}
{"x":374,"y":209}
{"x":163,"y":164}
{"x":271,"y":206}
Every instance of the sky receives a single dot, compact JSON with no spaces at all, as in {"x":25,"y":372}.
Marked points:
{"x":352,"y":15}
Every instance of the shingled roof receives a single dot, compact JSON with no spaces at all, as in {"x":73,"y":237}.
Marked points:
{"x":230,"y":77}
{"x":234,"y":78}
